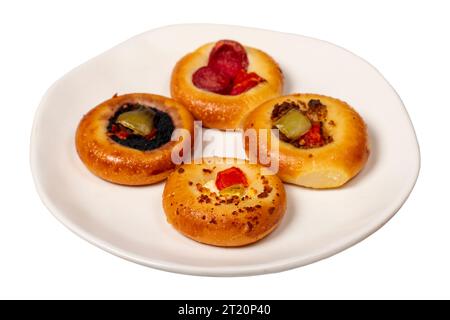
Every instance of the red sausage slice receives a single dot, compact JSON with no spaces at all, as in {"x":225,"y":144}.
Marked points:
{"x":226,"y":72}
{"x":229,"y":57}
{"x":212,"y":80}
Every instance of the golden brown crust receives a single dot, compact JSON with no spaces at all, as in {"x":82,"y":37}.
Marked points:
{"x":222,"y":111}
{"x":120,"y":164}
{"x":200,"y":215}
{"x":329,"y":166}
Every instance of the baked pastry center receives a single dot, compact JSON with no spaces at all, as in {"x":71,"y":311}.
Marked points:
{"x":226,"y":72}
{"x":140,"y":127}
{"x":301,"y":124}
{"x":223,"y":202}
{"x":230,"y":182}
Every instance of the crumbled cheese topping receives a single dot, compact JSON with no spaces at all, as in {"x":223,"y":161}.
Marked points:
{"x":211,"y":186}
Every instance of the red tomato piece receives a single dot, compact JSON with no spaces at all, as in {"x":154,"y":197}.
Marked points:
{"x":151,"y":135}
{"x":314,"y":137}
{"x":245,"y":81}
{"x":119,"y":131}
{"x":230,"y":177}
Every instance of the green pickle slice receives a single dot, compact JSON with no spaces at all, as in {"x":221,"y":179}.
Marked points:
{"x":293,"y":124}
{"x":140,"y":121}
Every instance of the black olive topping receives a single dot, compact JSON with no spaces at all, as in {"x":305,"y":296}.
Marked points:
{"x":162,"y":123}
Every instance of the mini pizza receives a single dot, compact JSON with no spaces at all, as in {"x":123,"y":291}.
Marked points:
{"x":323,"y":142}
{"x":220,"y":83}
{"x":127,"y":139}
{"x":224,"y":202}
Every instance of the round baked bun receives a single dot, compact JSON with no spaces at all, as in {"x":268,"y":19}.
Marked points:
{"x":196,"y":208}
{"x":117,"y":154}
{"x":262,"y":80}
{"x":332,"y":152}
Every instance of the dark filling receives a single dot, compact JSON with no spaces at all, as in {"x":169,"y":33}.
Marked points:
{"x":316,"y":113}
{"x":162,"y":133}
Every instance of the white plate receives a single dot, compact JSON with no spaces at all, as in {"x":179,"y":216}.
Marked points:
{"x":130,"y":222}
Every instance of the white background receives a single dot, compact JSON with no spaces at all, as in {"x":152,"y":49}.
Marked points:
{"x":407,"y":41}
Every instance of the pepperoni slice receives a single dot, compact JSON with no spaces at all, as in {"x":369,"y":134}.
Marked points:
{"x":245,"y":81}
{"x":226,"y":72}
{"x":212,"y":80}
{"x":229,"y":57}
